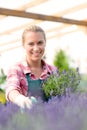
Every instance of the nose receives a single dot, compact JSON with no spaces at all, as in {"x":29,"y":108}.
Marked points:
{"x":36,"y":48}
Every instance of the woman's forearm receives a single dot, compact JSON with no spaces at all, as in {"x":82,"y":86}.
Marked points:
{"x":13,"y":94}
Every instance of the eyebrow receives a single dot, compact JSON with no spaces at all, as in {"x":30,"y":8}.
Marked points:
{"x":37,"y":42}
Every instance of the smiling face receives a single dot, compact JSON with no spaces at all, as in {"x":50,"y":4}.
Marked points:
{"x":34,"y":44}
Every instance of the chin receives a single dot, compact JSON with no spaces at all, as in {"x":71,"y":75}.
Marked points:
{"x":36,"y":59}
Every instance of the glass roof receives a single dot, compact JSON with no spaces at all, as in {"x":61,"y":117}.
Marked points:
{"x":11,"y":27}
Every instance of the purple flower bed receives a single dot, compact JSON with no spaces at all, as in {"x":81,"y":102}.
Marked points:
{"x":64,"y":113}
{"x":6,"y":113}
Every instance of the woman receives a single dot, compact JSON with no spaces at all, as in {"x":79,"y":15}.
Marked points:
{"x":25,"y":78}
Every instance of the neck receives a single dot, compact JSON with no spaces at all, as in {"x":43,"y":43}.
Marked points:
{"x":35,"y":67}
{"x":34,"y":64}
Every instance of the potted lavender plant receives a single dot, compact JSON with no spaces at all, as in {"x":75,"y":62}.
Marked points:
{"x":62,"y":83}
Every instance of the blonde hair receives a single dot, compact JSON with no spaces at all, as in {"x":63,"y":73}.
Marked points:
{"x":33,"y":28}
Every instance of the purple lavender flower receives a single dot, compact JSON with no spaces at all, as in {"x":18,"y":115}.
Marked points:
{"x":6,"y":112}
{"x":64,"y":113}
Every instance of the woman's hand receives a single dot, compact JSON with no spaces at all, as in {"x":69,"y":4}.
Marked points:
{"x":23,"y":102}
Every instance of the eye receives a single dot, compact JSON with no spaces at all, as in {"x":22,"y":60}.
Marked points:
{"x":30,"y":43}
{"x":40,"y":42}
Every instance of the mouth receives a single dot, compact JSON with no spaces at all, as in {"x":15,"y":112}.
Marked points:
{"x":36,"y":54}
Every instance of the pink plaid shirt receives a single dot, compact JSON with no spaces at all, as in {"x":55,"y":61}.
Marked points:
{"x":16,"y":78}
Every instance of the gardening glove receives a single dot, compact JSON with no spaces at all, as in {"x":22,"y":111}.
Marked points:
{"x":33,"y":99}
{"x":23,"y":102}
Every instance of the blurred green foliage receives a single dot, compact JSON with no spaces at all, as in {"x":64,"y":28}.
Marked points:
{"x":2,"y":92}
{"x":2,"y":76}
{"x":61,"y":61}
{"x":83,"y":83}
{"x":2,"y":97}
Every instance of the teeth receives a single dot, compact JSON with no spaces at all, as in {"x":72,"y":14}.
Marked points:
{"x":36,"y":53}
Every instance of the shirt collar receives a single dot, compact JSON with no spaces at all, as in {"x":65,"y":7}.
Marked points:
{"x":26,"y":68}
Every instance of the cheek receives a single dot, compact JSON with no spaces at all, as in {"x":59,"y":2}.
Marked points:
{"x":43,"y":48}
{"x":27,"y":48}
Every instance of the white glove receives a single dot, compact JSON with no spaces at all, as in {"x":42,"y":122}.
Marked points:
{"x":33,"y":99}
{"x":23,"y":102}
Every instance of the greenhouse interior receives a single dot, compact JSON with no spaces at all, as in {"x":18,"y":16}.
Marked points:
{"x":65,"y":25}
